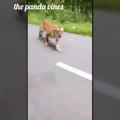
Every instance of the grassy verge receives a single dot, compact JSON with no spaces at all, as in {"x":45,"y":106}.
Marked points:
{"x":81,"y":27}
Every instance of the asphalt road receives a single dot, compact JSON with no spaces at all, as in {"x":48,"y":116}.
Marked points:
{"x":55,"y":93}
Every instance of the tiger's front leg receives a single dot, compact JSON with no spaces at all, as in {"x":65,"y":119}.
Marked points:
{"x":57,"y":45}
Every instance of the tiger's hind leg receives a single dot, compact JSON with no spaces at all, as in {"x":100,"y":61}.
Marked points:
{"x":47,"y":39}
{"x":40,"y":33}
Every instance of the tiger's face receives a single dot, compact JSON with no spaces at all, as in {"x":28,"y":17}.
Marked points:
{"x":58,"y":31}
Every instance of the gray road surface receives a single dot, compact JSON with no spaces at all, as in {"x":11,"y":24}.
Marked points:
{"x":54,"y":93}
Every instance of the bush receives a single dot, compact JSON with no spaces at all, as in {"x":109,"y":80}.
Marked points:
{"x":72,"y":22}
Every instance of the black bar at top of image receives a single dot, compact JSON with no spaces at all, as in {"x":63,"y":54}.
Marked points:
{"x":13,"y":63}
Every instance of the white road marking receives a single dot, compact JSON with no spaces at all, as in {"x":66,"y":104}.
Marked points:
{"x":75,"y":71}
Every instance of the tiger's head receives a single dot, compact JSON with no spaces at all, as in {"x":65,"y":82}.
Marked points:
{"x":58,"y":31}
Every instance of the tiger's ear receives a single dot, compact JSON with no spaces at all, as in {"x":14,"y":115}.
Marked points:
{"x":57,"y":29}
{"x":62,"y":29}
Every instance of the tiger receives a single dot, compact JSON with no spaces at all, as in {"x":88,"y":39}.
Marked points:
{"x":51,"y":30}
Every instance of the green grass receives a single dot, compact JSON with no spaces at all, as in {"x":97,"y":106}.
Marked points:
{"x":111,"y":5}
{"x":80,"y":27}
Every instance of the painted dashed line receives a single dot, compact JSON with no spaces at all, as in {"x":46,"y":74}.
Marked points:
{"x":75,"y":71}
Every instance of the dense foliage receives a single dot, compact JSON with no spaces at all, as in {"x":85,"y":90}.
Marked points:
{"x":79,"y":6}
{"x":76,"y":16}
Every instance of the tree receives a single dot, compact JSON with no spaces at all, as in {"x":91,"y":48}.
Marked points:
{"x":56,"y":2}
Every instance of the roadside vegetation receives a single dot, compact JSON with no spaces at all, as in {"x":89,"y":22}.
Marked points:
{"x":75,"y":18}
